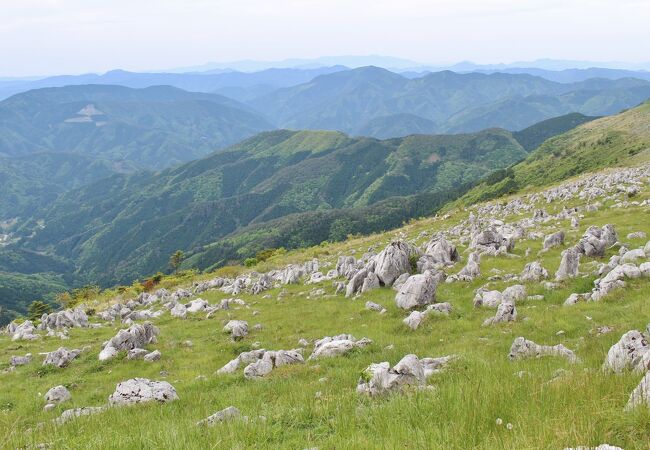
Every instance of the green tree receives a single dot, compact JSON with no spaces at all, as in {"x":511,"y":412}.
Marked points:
{"x":176,"y":259}
{"x":37,"y":308}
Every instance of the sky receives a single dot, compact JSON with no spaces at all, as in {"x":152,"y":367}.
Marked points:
{"x":45,"y":37}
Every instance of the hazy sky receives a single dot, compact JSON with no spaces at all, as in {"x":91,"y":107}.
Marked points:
{"x":39,"y":37}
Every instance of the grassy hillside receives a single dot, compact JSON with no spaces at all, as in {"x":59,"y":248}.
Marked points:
{"x":605,"y":142}
{"x":360,"y":101}
{"x":482,"y":400}
{"x":153,"y":128}
{"x":266,"y":177}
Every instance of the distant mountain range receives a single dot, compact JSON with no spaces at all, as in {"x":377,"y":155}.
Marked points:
{"x":225,"y":81}
{"x":376,"y":102}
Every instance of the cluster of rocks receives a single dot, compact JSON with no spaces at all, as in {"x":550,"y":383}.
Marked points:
{"x":60,"y":357}
{"x":494,"y":298}
{"x":25,"y":331}
{"x":381,"y":378}
{"x":613,"y":275}
{"x":68,"y":318}
{"x":132,"y":340}
{"x":260,"y":363}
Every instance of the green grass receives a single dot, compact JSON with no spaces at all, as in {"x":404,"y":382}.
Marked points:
{"x":585,"y":407}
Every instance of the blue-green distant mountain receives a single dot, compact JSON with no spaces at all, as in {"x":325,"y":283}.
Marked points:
{"x":151,"y":128}
{"x":364,"y":100}
{"x":260,"y":82}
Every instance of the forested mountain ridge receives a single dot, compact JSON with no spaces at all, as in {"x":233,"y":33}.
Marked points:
{"x":128,"y":225}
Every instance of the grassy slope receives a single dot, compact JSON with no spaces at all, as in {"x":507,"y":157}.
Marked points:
{"x":585,"y":407}
{"x":611,"y":141}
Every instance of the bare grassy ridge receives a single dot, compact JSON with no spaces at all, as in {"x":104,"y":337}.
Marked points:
{"x":584,"y":407}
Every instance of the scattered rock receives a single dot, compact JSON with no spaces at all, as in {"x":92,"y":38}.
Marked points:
{"x":533,"y":272}
{"x":331,"y":346}
{"x":375,"y":307}
{"x":57,"y":394}
{"x":70,"y":414}
{"x":569,"y":265}
{"x":641,"y":394}
{"x":380,"y":378}
{"x":418,"y":290}
{"x":506,"y":312}
{"x":631,"y":352}
{"x":554,"y":240}
{"x":140,"y":390}
{"x":238,"y":329}
{"x":60,"y":357}
{"x":522,"y":348}
{"x":20,"y":360}
{"x":224,"y":415}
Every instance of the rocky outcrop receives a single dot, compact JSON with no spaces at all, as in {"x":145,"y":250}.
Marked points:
{"x":596,"y":240}
{"x":472,"y":269}
{"x":60,"y":357}
{"x":57,"y":394}
{"x":141,"y":390}
{"x":25,"y":331}
{"x":490,"y":299}
{"x":640,"y":396}
{"x":136,"y":336}
{"x":442,"y":252}
{"x":380,"y":378}
{"x":506,"y":312}
{"x":393,"y":261}
{"x":418,"y":290}
{"x":69,"y":318}
{"x":492,"y":243}
{"x":533,"y":272}
{"x":238,"y":329}
{"x":20,"y":360}
{"x":631,"y":352}
{"x":554,"y":240}
{"x":568,"y":265}
{"x":261,"y":362}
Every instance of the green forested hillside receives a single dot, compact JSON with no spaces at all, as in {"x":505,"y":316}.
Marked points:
{"x":34,"y":181}
{"x":18,"y":290}
{"x":128,"y":225}
{"x":532,"y":137}
{"x":153,"y":128}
